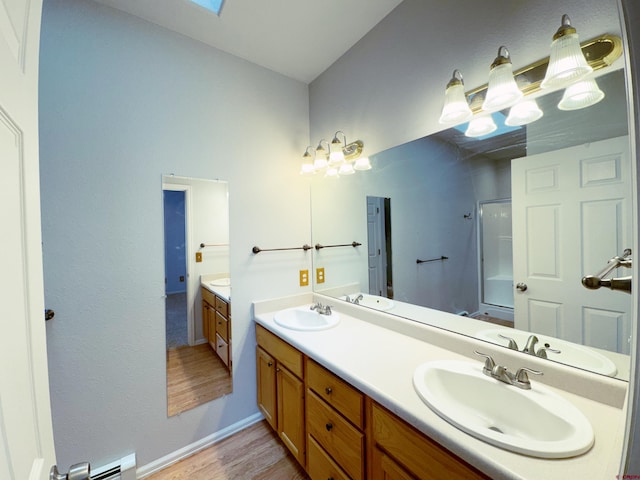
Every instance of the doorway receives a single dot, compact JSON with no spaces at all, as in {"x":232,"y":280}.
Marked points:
{"x":175,"y":260}
{"x":379,"y":246}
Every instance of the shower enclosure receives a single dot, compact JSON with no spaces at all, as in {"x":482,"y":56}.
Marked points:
{"x":496,"y":259}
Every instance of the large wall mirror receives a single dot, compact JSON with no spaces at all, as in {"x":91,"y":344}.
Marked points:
{"x":491,"y":236}
{"x":198,"y":291}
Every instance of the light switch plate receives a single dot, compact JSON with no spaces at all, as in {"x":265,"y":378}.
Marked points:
{"x":320,"y":275}
{"x":304,"y":278}
{"x":198,"y":257}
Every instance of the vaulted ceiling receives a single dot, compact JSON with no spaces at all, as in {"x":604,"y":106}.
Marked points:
{"x":297,"y":38}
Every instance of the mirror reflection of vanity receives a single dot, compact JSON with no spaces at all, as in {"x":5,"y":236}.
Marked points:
{"x":198,"y":291}
{"x":439,"y":190}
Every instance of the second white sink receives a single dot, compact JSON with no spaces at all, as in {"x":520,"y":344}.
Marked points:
{"x":305,"y":319}
{"x":534,"y":422}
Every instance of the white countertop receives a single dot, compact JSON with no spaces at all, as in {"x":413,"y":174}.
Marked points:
{"x":380,"y":362}
{"x":223,"y":291}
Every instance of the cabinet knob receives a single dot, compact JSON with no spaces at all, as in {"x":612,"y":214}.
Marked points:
{"x":329,"y":426}
{"x":328,"y":390}
{"x":270,"y":364}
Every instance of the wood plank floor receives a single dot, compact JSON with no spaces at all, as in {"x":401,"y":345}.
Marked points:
{"x":255,"y":453}
{"x":195,"y":375}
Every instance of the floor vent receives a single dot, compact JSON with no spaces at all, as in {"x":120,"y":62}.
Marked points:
{"x":123,"y":469}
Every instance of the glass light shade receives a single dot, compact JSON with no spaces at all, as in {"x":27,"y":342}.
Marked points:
{"x":566,"y":60}
{"x":523,"y":113}
{"x":346,"y":169}
{"x":320,"y":162}
{"x":456,"y":108}
{"x":480,"y":126}
{"x":331,"y":172}
{"x":502,"y":91}
{"x":307,"y":169}
{"x":362,"y":163}
{"x":581,"y":95}
{"x":336,"y":155}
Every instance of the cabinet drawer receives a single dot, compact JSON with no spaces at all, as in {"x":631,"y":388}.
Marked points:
{"x":320,"y":465}
{"x":282,"y":351}
{"x":208,"y":297}
{"x":336,"y":392}
{"x":222,"y":307}
{"x":222,"y":349}
{"x":415,"y":451}
{"x":341,"y":440}
{"x":222,"y":327}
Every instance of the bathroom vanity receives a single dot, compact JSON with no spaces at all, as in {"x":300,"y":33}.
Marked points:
{"x":342,"y":401}
{"x":216,"y":320}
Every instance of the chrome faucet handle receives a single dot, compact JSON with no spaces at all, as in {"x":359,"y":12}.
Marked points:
{"x":521,"y":378}
{"x":512,"y":343}
{"x":489,"y":364}
{"x":542,"y":351}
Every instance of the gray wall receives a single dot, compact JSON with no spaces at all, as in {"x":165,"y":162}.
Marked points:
{"x":121,"y":103}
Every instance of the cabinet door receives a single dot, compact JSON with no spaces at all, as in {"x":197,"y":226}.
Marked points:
{"x":266,"y":373}
{"x":211,"y":320}
{"x":384,"y":468}
{"x":291,"y":412}
{"x":205,"y":320}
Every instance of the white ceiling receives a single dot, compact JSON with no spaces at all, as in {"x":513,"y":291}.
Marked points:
{"x":297,"y":38}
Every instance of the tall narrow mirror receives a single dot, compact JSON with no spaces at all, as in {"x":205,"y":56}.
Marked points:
{"x":198,"y":291}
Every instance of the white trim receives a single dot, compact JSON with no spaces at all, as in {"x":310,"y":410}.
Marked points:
{"x":184,"y":452}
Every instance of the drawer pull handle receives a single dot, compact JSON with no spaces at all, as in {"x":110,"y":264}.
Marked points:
{"x":270,"y":364}
{"x":330,"y":478}
{"x":328,"y":390}
{"x":329,"y":426}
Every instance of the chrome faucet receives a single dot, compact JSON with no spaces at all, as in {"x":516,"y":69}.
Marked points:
{"x":530,"y":347}
{"x":519,"y":379}
{"x":355,"y":301}
{"x":321,"y":309}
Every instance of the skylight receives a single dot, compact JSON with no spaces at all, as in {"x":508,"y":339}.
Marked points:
{"x":214,"y":6}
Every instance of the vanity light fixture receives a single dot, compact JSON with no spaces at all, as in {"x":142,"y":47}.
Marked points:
{"x":480,"y":126}
{"x":526,"y":111}
{"x":567,"y":63}
{"x":456,"y":108}
{"x":502,"y":91}
{"x":338,"y":158}
{"x":321,"y":161}
{"x":523,"y":113}
{"x":307,"y":167}
{"x":336,"y":155}
{"x":362,"y":163}
{"x":582,"y":94}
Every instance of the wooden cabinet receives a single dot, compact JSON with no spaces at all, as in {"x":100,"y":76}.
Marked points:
{"x":216,"y":324}
{"x":348,"y":435}
{"x":335,"y":421}
{"x":281,"y":390}
{"x":399,"y":451}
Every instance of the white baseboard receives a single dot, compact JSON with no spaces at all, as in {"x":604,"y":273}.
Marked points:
{"x":184,"y":452}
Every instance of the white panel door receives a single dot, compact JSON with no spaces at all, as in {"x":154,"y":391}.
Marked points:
{"x":26,"y":438}
{"x":376,"y":246}
{"x":571,"y":214}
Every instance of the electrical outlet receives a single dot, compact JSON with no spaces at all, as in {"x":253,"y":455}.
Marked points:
{"x":320,"y":275}
{"x":198,"y":257}
{"x":304,"y":278}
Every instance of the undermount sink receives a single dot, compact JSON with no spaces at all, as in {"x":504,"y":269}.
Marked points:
{"x":305,"y":319}
{"x":534,"y":422}
{"x":570,"y":353}
{"x":221,"y":282}
{"x":370,"y":301}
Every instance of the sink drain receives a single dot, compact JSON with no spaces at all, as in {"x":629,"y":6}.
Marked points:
{"x":496,"y":429}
